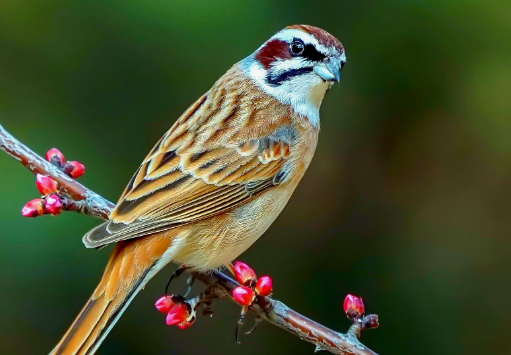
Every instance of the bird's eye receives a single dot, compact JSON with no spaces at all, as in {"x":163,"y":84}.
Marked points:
{"x":297,"y":47}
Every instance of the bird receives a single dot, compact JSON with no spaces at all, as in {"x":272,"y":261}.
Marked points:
{"x":218,"y":178}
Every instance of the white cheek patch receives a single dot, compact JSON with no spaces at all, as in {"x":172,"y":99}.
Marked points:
{"x":304,"y":93}
{"x":285,"y":65}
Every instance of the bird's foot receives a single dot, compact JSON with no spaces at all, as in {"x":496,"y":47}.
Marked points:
{"x":180,"y":310}
{"x":250,"y":291}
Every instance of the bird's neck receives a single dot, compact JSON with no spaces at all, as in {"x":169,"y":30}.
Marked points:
{"x":303,"y":96}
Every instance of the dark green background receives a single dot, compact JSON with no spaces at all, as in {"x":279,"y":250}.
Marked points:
{"x":406,"y":203}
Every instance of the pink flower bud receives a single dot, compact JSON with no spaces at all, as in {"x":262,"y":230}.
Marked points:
{"x":244,"y":273}
{"x":53,"y":204}
{"x":177,"y":314}
{"x":55,"y":156}
{"x":33,"y":208}
{"x":243,"y":295}
{"x":353,"y":307}
{"x":45,"y":184}
{"x":74,"y":169}
{"x":264,"y":285}
{"x":164,"y":304}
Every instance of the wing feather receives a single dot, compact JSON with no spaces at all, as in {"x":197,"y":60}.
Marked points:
{"x":218,"y":155}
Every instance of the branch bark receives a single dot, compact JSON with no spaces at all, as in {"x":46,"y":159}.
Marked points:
{"x":273,"y":311}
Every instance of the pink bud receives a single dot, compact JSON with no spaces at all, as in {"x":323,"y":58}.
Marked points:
{"x":74,"y":169}
{"x":177,"y":314}
{"x":33,"y":208}
{"x":164,"y":304}
{"x":244,"y":273}
{"x":53,"y":204}
{"x":353,"y":307}
{"x":243,"y":295}
{"x":45,"y":184}
{"x":55,"y":156}
{"x":264,"y":285}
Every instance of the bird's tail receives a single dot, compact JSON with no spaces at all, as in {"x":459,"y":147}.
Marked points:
{"x":132,"y":264}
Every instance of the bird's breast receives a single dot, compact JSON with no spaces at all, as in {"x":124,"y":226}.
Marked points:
{"x":216,"y":242}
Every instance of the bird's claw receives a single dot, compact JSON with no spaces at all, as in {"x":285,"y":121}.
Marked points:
{"x":251,"y":290}
{"x":257,"y":321}
{"x":175,"y":275}
{"x":241,"y":323}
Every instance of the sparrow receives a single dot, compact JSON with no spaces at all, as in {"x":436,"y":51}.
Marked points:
{"x":218,"y":178}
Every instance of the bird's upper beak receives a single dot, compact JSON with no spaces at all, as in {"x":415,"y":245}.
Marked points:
{"x":329,"y":70}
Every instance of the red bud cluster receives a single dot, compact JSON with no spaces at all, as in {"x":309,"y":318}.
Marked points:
{"x":51,"y":201}
{"x":71,"y":168}
{"x":251,"y":287}
{"x":177,"y":309}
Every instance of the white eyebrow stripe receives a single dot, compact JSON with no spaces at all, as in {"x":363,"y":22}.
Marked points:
{"x":288,"y":35}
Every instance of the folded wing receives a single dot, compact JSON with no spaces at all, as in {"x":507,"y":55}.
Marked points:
{"x":218,"y":155}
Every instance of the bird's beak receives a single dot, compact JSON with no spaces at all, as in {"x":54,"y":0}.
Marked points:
{"x":330,"y":70}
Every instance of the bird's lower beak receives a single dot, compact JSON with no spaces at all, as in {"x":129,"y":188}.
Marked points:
{"x":329,"y":70}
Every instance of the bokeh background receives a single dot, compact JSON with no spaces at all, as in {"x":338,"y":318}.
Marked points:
{"x":406,"y":203}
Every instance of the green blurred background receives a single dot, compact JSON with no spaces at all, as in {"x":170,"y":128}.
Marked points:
{"x":406,"y":202}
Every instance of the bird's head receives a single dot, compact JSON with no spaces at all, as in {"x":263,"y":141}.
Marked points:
{"x":297,"y":66}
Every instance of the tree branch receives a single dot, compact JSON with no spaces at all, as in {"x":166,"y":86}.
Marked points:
{"x":83,"y":200}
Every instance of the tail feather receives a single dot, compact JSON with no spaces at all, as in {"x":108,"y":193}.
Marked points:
{"x":131,"y":265}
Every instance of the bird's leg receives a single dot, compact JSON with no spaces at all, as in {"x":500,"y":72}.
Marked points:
{"x":175,"y":274}
{"x":230,"y":267}
{"x":207,"y":299}
{"x":189,"y":282}
{"x":241,"y":323}
{"x":251,"y":290}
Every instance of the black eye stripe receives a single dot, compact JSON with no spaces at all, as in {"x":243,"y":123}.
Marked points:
{"x":296,"y":49}
{"x":309,"y":52}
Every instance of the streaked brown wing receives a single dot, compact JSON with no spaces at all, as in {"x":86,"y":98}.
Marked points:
{"x":218,"y":155}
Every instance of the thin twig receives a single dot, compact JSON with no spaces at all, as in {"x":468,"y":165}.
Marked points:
{"x":273,"y":311}
{"x":87,"y":201}
{"x":286,"y":318}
